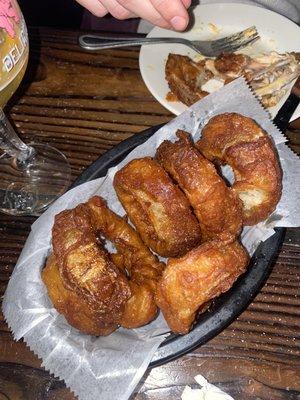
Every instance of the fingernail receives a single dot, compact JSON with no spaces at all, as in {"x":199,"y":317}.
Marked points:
{"x":179,"y":23}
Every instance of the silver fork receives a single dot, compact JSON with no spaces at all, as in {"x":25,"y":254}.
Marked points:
{"x":209,"y":48}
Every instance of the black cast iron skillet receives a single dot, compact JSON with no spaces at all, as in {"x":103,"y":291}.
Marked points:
{"x":228,"y":306}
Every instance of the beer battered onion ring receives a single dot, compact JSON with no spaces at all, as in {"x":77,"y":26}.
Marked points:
{"x":85,"y":270}
{"x":189,"y":282}
{"x":109,"y":290}
{"x":84,"y":315}
{"x":134,"y":259}
{"x":238,"y":141}
{"x":216,"y":206}
{"x":157,"y":208}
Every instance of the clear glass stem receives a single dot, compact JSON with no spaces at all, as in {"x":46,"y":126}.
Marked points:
{"x":11,"y":143}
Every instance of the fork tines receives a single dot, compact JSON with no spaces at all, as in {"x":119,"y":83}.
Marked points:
{"x":236,"y":41}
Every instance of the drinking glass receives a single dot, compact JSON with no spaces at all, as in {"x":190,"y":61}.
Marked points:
{"x":32,"y":175}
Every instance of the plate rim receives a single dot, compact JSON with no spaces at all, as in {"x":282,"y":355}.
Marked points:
{"x":168,"y":105}
{"x":252,"y":280}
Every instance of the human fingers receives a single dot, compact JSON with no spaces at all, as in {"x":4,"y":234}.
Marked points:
{"x":187,"y":3}
{"x":173,"y":11}
{"x":145,"y":10}
{"x":117,"y":10}
{"x":94,"y":6}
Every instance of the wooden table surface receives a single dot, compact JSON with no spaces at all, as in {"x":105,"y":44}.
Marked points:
{"x":84,"y":104}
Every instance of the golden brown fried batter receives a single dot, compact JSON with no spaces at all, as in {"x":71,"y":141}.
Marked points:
{"x":133,"y":257}
{"x":182,"y":75}
{"x":217,"y":207}
{"x":226,"y":130}
{"x":85,"y":266}
{"x":231,"y":63}
{"x":189,"y":282}
{"x":268,"y":74}
{"x":80,"y":313}
{"x":82,"y":278}
{"x":157,"y":208}
{"x":187,"y":78}
{"x":238,"y":141}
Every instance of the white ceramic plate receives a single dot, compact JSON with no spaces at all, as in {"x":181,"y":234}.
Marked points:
{"x":213,"y":21}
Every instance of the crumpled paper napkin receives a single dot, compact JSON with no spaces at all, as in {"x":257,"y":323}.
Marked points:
{"x":207,"y":391}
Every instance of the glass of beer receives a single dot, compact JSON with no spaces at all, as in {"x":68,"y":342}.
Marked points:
{"x":32,"y":175}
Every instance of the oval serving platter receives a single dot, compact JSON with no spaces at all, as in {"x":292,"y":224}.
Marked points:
{"x":228,"y":306}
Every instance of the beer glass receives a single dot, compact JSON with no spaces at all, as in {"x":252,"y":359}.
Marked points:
{"x":32,"y":175}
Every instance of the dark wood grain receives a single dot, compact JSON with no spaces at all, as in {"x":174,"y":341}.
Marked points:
{"x":84,"y":104}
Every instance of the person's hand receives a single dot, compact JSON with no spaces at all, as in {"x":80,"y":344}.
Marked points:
{"x":169,"y":14}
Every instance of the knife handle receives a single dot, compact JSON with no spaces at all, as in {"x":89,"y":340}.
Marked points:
{"x":285,"y":113}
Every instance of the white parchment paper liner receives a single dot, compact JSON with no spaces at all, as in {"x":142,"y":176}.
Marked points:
{"x":110,"y":367}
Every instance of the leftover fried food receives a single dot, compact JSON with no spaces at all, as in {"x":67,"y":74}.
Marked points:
{"x":268,"y":74}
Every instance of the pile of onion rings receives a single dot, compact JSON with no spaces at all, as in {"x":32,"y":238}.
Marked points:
{"x":181,"y":208}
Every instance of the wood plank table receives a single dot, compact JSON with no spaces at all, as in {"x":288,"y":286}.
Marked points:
{"x":84,"y":104}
